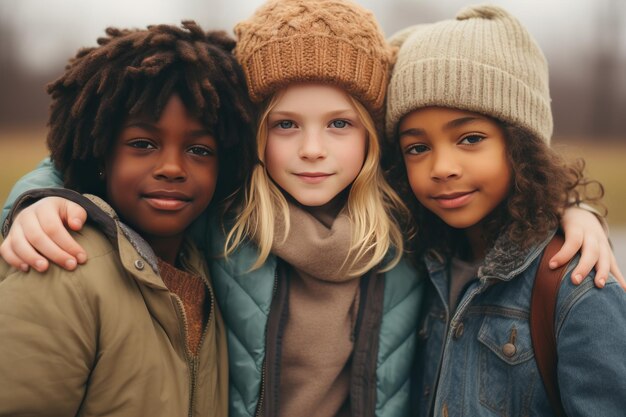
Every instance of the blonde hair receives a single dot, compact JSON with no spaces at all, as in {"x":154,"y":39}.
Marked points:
{"x":372,"y":206}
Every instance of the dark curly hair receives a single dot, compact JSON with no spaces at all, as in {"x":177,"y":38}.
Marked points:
{"x":136,"y":72}
{"x":542,"y":185}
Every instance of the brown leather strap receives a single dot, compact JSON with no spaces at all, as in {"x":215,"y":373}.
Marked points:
{"x":542,"y":313}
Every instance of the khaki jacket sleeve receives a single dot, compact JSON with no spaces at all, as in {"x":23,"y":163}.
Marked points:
{"x":47,"y":342}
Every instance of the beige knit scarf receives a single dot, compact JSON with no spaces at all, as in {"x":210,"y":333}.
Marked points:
{"x":323,"y":306}
{"x":318,"y":242}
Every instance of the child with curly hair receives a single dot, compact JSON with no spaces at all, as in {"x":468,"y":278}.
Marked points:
{"x":469,"y":109}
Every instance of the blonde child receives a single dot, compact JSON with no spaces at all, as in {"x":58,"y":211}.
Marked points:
{"x":136,"y":331}
{"x":322,"y":311}
{"x":469,"y":108}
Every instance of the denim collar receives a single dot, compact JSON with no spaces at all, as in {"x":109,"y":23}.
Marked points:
{"x":503,"y":262}
{"x":507,"y":260}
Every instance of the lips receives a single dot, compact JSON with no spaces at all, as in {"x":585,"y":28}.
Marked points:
{"x":312,"y":177}
{"x":166,"y":200}
{"x":453,"y":200}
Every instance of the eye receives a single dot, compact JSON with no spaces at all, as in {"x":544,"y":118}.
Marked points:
{"x":285,"y":124}
{"x":416,"y":149}
{"x":141,"y":144}
{"x":201,"y":150}
{"x":339,"y":124}
{"x":471,"y":140}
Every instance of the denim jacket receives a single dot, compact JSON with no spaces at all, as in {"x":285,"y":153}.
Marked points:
{"x":479,"y":360}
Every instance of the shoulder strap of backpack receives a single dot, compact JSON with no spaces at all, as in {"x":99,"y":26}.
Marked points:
{"x":542,"y":313}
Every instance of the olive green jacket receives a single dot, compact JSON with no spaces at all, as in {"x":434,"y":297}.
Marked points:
{"x":108,"y":338}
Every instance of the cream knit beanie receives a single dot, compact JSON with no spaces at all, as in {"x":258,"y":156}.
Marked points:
{"x":484,"y":61}
{"x":329,"y":41}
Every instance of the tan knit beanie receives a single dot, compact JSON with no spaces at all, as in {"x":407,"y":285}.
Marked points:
{"x":484,"y":61}
{"x":329,"y":41}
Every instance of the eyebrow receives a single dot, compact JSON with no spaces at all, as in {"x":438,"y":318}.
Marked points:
{"x":151,"y":127}
{"x":334,"y":113}
{"x":140,"y":124}
{"x":450,"y":125}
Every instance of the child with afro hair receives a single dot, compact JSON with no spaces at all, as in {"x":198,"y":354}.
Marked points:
{"x":148,"y":130}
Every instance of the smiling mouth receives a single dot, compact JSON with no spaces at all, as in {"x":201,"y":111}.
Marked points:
{"x":453,"y":200}
{"x":312,"y":177}
{"x":167,"y":201}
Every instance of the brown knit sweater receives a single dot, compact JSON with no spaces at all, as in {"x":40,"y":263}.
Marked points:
{"x":192,"y":291}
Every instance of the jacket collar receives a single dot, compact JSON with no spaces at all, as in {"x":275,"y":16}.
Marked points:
{"x":134,"y":251}
{"x":507,"y":260}
{"x":503,"y":262}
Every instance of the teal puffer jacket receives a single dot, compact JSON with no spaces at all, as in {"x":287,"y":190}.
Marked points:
{"x":384,"y":349}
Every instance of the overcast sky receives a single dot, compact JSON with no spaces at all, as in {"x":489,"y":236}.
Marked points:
{"x":51,"y":30}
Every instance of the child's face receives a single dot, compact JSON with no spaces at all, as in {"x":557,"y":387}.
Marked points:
{"x":456,"y":163}
{"x":162,"y":174}
{"x":316,"y":143}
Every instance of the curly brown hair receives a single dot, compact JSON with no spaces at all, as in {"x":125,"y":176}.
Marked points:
{"x":542,"y":185}
{"x":135,"y":71}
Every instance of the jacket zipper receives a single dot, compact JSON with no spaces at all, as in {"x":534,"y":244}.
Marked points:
{"x":188,"y":358}
{"x":192,"y":361}
{"x":192,"y":397}
{"x":196,"y":360}
{"x":259,"y":405}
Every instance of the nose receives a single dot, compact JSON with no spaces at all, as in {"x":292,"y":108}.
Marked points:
{"x":312,"y":146}
{"x":170,"y":166}
{"x":445,"y":166}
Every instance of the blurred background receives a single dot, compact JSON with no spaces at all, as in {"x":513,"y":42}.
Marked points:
{"x":584,"y":42}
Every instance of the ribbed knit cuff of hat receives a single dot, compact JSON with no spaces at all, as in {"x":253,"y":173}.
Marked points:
{"x":333,"y":42}
{"x":474,"y":87}
{"x":483,"y":61}
{"x":332,"y":60}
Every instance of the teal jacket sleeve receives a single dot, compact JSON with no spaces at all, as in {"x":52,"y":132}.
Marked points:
{"x":44,"y":176}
